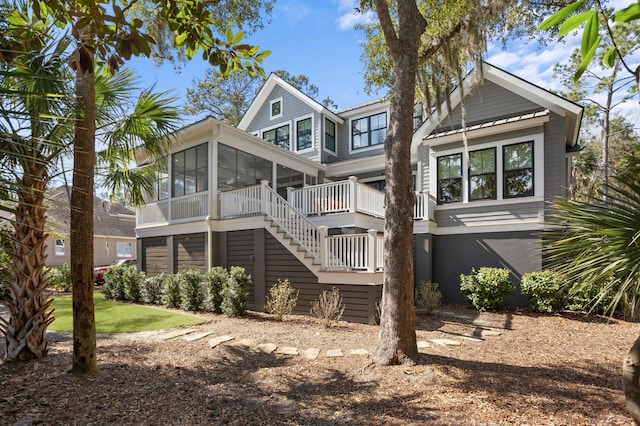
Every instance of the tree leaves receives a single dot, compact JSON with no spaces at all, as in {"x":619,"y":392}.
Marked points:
{"x":627,"y":14}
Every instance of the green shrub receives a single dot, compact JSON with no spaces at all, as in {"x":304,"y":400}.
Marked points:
{"x":171,"y":297}
{"x":583,"y":296}
{"x":544,"y":291}
{"x":113,"y":287}
{"x":5,"y":273}
{"x":60,"y":278}
{"x":214,"y":279}
{"x":235,"y":292}
{"x":329,"y":307}
{"x":428,"y":297}
{"x":133,"y":282}
{"x":282,"y":299}
{"x":152,"y":289}
{"x":191,"y":292}
{"x":487,"y":288}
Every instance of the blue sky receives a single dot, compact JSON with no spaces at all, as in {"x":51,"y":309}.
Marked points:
{"x":316,"y":38}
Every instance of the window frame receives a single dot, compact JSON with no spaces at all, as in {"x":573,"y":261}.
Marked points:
{"x":369,"y":131}
{"x":494,"y":174}
{"x":234,"y":170}
{"x":277,"y":101}
{"x":123,"y":255}
{"x":204,"y":171}
{"x":532,"y":167}
{"x":460,"y":178}
{"x":335,"y":136}
{"x":56,"y":246}
{"x":311,"y":133}
{"x":275,"y":128}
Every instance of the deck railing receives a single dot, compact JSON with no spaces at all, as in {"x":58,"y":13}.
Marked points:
{"x":355,"y":252}
{"x":153,"y":213}
{"x":179,"y":208}
{"x":241,"y":202}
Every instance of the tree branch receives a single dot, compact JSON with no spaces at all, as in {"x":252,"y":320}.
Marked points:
{"x":382,"y":9}
{"x":437,"y":43}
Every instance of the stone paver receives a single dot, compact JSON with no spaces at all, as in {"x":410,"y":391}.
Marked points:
{"x":311,"y":353}
{"x":491,"y":332}
{"x":267,"y":348}
{"x":287,"y":350}
{"x":422,"y":344}
{"x":175,"y":333}
{"x":243,"y":343}
{"x":359,"y":352}
{"x":334,"y":353}
{"x":196,"y":336}
{"x":446,"y":342}
{"x":218,"y":340}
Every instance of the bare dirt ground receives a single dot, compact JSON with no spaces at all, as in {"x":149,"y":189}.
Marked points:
{"x":524,"y":370}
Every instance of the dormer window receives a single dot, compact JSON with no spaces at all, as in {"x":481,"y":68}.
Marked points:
{"x":275,"y":108}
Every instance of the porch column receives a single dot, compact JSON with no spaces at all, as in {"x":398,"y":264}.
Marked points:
{"x":372,"y":250}
{"x":324,"y":250}
{"x":353,"y":193}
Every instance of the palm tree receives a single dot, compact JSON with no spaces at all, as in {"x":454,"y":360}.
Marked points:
{"x":34,"y":137}
{"x":598,"y":242}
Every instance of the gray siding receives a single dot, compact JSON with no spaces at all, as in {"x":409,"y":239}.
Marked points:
{"x":486,"y":103}
{"x":292,"y":108}
{"x":469,"y":215}
{"x":241,"y":252}
{"x":154,"y":260}
{"x":457,"y":254}
{"x":423,"y":156}
{"x":190,"y":252}
{"x":555,"y":173}
{"x":344,"y":143}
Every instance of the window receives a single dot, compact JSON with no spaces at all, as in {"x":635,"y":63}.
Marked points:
{"x":329,"y":135}
{"x":161,"y":181}
{"x":190,"y":171}
{"x":288,"y":178}
{"x":303,"y":134}
{"x":450,"y":178}
{"x":237,"y":169}
{"x":518,"y":170}
{"x":59,"y":248}
{"x":123,"y":249}
{"x":482,"y":174}
{"x":275,"y":108}
{"x":369,"y":131}
{"x":278,"y":136}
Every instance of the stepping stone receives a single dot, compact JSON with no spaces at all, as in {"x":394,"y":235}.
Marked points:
{"x":196,"y":336}
{"x":491,"y":333}
{"x":446,"y":342}
{"x":471,"y":338}
{"x":176,"y":333}
{"x":360,"y":352}
{"x":266,"y":348}
{"x":311,"y":353}
{"x":287,"y":350}
{"x":243,"y":343}
{"x":422,"y":344}
{"x":218,"y":340}
{"x":334,"y":353}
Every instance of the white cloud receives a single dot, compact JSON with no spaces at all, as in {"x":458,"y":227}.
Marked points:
{"x":350,"y":17}
{"x":293,"y":12}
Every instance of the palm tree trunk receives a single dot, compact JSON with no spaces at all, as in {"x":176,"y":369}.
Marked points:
{"x":28,"y":301}
{"x":631,"y":381}
{"x":84,"y":330}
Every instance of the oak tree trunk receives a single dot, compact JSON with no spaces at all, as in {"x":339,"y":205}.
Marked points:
{"x":84,"y":330}
{"x":28,"y":301}
{"x":397,"y":337}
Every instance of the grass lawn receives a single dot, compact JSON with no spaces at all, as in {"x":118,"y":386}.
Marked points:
{"x":118,"y":317}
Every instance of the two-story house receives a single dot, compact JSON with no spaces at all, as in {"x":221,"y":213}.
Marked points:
{"x":297,"y":191}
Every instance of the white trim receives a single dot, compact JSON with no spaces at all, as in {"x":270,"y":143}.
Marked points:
{"x":294,"y":146}
{"x":379,"y":146}
{"x":276,"y":126}
{"x":498,"y":227}
{"x":538,"y":169}
{"x":324,"y":134}
{"x":271,"y":103}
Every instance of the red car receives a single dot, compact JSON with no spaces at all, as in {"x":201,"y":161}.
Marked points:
{"x":100,"y":270}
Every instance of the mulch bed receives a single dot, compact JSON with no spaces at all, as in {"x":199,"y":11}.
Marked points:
{"x":541,"y":370}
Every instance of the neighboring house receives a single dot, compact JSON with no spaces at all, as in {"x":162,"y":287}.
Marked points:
{"x":297,"y":191}
{"x":113,"y":228}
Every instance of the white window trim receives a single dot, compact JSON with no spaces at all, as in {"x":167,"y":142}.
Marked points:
{"x":274,"y":101}
{"x":324,"y":135}
{"x":350,"y":132}
{"x":538,"y":170}
{"x":275,"y":126}
{"x":294,"y":146}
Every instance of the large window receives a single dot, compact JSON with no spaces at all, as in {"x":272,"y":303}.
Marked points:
{"x":123,"y":249}
{"x":329,"y":135}
{"x":278,"y":136}
{"x":59,"y":248}
{"x":450,"y":178}
{"x":237,"y":169}
{"x":482,"y":174}
{"x":369,"y":131}
{"x":161,"y":180}
{"x":304,"y":139}
{"x":518,"y":170}
{"x":288,"y":178}
{"x":190,"y":171}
